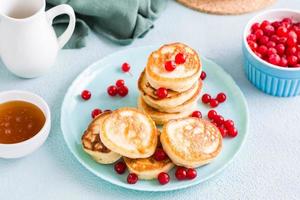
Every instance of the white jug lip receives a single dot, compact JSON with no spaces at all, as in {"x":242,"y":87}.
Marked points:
{"x":36,"y":13}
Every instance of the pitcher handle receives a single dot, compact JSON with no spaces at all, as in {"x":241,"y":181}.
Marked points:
{"x":59,"y":10}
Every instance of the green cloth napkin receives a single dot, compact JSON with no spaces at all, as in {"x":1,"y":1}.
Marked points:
{"x":120,"y":20}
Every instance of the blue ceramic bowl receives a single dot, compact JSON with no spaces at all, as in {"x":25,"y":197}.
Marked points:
{"x":271,"y":79}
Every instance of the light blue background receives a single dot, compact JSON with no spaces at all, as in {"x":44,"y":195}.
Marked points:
{"x":266,"y":168}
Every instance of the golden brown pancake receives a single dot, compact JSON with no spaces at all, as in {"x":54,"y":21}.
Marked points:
{"x":130,"y":133}
{"x":183,"y":77}
{"x":175,"y":101}
{"x":191,"y":142}
{"x":93,"y":145}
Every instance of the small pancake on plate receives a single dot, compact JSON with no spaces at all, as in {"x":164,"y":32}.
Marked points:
{"x":130,"y":133}
{"x":174,"y":102}
{"x":183,"y":77}
{"x":93,"y":145}
{"x":162,"y":117}
{"x":191,"y":142}
{"x":148,"y":168}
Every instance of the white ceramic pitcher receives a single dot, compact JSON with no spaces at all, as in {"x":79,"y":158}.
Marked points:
{"x":28,"y":43}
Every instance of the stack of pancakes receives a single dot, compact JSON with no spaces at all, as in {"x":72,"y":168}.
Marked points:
{"x":183,"y":84}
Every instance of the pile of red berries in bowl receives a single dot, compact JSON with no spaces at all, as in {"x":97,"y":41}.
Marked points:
{"x":271,"y":48}
{"x":277,"y":42}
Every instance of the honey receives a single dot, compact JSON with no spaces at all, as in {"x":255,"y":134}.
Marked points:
{"x":19,"y":121}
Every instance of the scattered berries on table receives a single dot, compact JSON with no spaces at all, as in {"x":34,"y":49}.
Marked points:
{"x":197,"y":114}
{"x":203,"y":75}
{"x":191,"y":173}
{"x":125,"y":67}
{"x":120,"y":167}
{"x":86,"y":95}
{"x":112,"y":90}
{"x":96,"y":112}
{"x":163,"y":178}
{"x":132,"y":178}
{"x":180,"y":173}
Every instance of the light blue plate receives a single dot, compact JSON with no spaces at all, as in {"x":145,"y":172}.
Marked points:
{"x":76,"y":114}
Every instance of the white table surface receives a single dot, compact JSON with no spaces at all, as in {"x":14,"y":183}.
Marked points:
{"x":267,"y":167}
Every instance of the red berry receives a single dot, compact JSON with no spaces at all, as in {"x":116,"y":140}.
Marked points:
{"x":212,"y":114}
{"x":229,"y":124}
{"x":112,"y":90}
{"x":161,"y":93}
{"x":269,"y":30}
{"x":252,"y":45}
{"x":262,"y":50}
{"x":170,"y":66}
{"x":276,"y":24}
{"x":292,"y":60}
{"x":203,"y":75}
{"x":271,"y":44}
{"x":264,"y":24}
{"x":263,"y":40}
{"x":160,"y":154}
{"x":132,"y":178}
{"x":223,"y":131}
{"x":191,"y":173}
{"x":254,"y":27}
{"x":206,"y":98}
{"x":251,"y":37}
{"x":292,"y":34}
{"x":283,"y":62}
{"x":219,"y":119}
{"x":286,"y":25}
{"x":123,"y":91}
{"x":291,"y":50}
{"x":197,"y":114}
{"x":180,"y":58}
{"x":274,"y":38}
{"x":232,"y":132}
{"x":221,"y":97}
{"x":120,"y":83}
{"x":96,"y":112}
{"x":274,"y":59}
{"x":282,"y":31}
{"x":125,"y":67}
{"x":259,"y":33}
{"x":213,"y":103}
{"x":271,"y":51}
{"x":258,"y":54}
{"x":287,"y":20}
{"x":163,"y":178}
{"x":120,"y":167}
{"x":180,"y":173}
{"x":280,"y":49}
{"x":291,"y":41}
{"x":282,"y":40}
{"x":86,"y":95}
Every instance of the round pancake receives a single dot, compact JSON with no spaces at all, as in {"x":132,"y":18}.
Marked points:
{"x":93,"y":145}
{"x":148,"y":168}
{"x":183,"y":77}
{"x":162,"y":117}
{"x":174,"y":102}
{"x":191,"y":142}
{"x":130,"y":133}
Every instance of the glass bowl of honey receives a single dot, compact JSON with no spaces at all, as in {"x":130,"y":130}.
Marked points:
{"x":25,"y":123}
